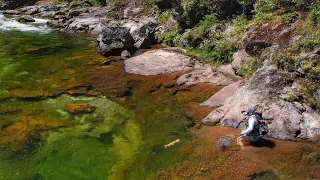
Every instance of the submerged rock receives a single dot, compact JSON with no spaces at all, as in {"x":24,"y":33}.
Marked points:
{"x":208,"y":75}
{"x":161,"y":61}
{"x":219,"y":98}
{"x":80,"y":108}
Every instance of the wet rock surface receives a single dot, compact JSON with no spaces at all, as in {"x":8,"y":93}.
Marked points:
{"x":207,"y":75}
{"x":26,"y":18}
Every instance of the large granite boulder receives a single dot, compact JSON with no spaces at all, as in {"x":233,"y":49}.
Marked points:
{"x":261,"y":92}
{"x":113,"y":40}
{"x":142,"y":30}
{"x":86,"y":24}
{"x":161,"y":61}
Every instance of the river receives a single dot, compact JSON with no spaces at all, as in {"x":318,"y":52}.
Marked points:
{"x":43,"y":72}
{"x":64,"y":115}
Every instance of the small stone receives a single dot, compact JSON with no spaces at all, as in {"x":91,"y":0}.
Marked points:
{"x":125,"y":54}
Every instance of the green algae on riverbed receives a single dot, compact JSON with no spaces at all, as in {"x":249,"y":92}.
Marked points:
{"x":41,"y":74}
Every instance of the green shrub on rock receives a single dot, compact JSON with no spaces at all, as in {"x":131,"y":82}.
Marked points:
{"x":195,"y":10}
{"x":266,"y":6}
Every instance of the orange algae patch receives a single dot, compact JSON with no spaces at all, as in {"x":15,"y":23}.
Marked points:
{"x":196,"y":112}
{"x":80,"y":108}
{"x":20,"y":133}
{"x":199,"y":92}
{"x":276,"y":160}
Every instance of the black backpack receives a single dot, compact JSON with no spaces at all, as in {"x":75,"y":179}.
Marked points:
{"x":262,"y":124}
{"x":261,"y":127}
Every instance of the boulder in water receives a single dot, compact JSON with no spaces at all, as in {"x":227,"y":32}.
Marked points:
{"x":26,"y":18}
{"x":161,"y":61}
{"x":113,"y":40}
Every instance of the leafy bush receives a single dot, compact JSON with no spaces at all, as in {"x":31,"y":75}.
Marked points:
{"x":240,"y":25}
{"x":248,"y":68}
{"x":195,"y":10}
{"x":266,"y":6}
{"x":170,"y":29}
{"x":214,"y":51}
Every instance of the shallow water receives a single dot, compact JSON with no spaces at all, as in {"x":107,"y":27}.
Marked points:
{"x":42,"y":73}
{"x":63,"y":116}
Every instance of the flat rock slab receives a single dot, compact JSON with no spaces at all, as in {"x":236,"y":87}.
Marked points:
{"x":219,"y":98}
{"x":208,"y":75}
{"x":160,"y":61}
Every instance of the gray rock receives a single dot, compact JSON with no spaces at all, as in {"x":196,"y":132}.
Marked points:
{"x":113,"y":40}
{"x":142,"y":30}
{"x":49,"y":7}
{"x":47,"y":14}
{"x":130,"y":13}
{"x":161,"y":61}
{"x":310,"y":125}
{"x":219,"y":98}
{"x":284,"y":116}
{"x":29,"y":10}
{"x":144,"y":35}
{"x":60,"y":17}
{"x":240,"y":57}
{"x":57,"y":24}
{"x":11,"y":12}
{"x":87,"y":25}
{"x":77,"y":11}
{"x":125,"y":54}
{"x":26,"y":19}
{"x":227,"y":70}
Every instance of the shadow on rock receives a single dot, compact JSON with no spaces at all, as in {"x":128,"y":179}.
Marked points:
{"x":263,"y":143}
